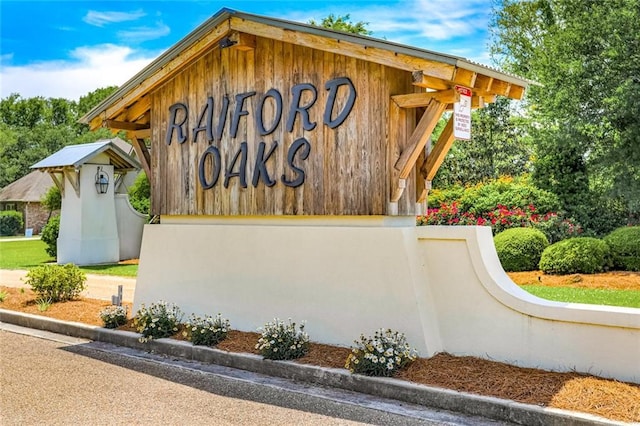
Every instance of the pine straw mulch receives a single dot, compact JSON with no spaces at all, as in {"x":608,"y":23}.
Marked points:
{"x":571,"y":391}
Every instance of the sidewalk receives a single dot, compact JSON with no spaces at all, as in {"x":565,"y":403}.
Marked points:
{"x":98,"y":286}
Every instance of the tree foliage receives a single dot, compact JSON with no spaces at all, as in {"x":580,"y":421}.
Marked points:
{"x":584,"y":117}
{"x":34,"y":128}
{"x":496,"y":148}
{"x":342,"y":23}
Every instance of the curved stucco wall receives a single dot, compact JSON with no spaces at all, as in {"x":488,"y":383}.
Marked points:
{"x":482,"y":312}
{"x":130,"y":224}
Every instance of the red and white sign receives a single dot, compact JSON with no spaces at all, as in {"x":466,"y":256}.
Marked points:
{"x":462,"y":114}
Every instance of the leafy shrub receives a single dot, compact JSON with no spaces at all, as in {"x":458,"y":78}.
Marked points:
{"x":482,"y":198}
{"x":10,"y":222}
{"x":576,"y":255}
{"x":381,"y":355}
{"x":140,"y":193}
{"x":56,"y":283}
{"x":625,"y":248}
{"x":280,"y":341}
{"x":114,"y":316}
{"x":207,"y":331}
{"x":50,"y":234}
{"x":519,"y":249}
{"x":52,"y":199}
{"x":157,"y":321}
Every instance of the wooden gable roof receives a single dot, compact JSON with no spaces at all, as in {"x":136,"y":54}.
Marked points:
{"x":129,"y":107}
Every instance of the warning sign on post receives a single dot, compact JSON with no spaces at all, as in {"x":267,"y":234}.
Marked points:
{"x":462,"y":114}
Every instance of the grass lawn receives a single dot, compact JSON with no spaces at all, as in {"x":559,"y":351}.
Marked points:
{"x":23,"y":254}
{"x":27,"y":254}
{"x":628,"y":298}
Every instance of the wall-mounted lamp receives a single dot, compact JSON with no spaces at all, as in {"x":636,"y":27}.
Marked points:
{"x":102,"y":181}
{"x":226,"y":42}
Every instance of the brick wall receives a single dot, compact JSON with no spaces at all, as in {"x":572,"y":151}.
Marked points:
{"x":35,"y":216}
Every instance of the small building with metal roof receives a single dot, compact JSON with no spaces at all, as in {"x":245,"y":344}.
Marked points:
{"x":97,"y":225}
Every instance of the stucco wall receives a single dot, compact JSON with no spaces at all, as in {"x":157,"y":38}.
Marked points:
{"x":130,"y":224}
{"x":442,"y":286}
{"x":88,"y":230}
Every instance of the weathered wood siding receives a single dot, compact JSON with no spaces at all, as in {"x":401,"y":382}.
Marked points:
{"x":348,"y":168}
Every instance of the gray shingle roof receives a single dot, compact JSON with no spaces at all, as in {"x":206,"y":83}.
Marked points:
{"x":29,"y":188}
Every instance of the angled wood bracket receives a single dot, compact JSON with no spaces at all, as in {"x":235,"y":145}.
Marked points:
{"x":142,"y":152}
{"x":59,"y":181}
{"x":73,"y":176}
{"x":415,"y":146}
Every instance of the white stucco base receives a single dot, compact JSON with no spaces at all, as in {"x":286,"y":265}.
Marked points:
{"x":441,"y":286}
{"x":88,"y":231}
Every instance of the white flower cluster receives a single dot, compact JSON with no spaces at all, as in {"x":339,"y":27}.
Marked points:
{"x":114,"y":316}
{"x":207,"y":331}
{"x":280,"y":341}
{"x":381,"y":355}
{"x":159,"y":320}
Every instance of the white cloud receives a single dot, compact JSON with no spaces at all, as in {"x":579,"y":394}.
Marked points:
{"x":93,"y":67}
{"x":140,"y":34}
{"x":99,"y":19}
{"x":420,"y":23}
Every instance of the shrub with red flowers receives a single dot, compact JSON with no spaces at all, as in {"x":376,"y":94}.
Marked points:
{"x":552,"y":224}
{"x":449,"y":214}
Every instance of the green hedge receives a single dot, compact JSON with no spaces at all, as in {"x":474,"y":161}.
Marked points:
{"x":625,"y":248}
{"x":519,"y":249}
{"x":576,"y":255}
{"x":10,"y":222}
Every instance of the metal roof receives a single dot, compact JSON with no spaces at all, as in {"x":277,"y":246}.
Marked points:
{"x":77,"y":155}
{"x":367,"y":41}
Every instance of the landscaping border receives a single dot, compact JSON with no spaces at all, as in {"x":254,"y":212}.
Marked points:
{"x":461,"y":402}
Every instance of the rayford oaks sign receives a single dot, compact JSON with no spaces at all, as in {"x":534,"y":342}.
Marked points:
{"x":214,"y":126}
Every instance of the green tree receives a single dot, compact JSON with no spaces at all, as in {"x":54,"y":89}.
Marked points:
{"x":342,"y":23}
{"x":34,"y":128}
{"x":584,"y":117}
{"x":497,"y":148}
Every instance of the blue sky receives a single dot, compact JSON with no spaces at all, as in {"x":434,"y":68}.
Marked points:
{"x":69,"y":48}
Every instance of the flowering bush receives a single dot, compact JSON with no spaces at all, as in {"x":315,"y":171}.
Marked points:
{"x":207,"y":331}
{"x":449,"y":214}
{"x":114,"y":316}
{"x":157,"y":321}
{"x":383,"y":355}
{"x":556,"y":228}
{"x":502,"y":217}
{"x":280,"y":341}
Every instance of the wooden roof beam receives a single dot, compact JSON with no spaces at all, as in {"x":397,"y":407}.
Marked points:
{"x":464,"y":77}
{"x":124,"y":125}
{"x":421,"y":80}
{"x":398,"y":60}
{"x":243,"y":41}
{"x":138,"y":109}
{"x":416,"y":100}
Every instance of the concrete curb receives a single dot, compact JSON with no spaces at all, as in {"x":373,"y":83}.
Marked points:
{"x":488,"y":407}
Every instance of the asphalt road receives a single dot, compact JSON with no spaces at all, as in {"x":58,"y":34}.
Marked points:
{"x":69,"y":381}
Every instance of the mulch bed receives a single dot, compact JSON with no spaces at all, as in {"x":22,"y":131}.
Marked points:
{"x":571,"y":391}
